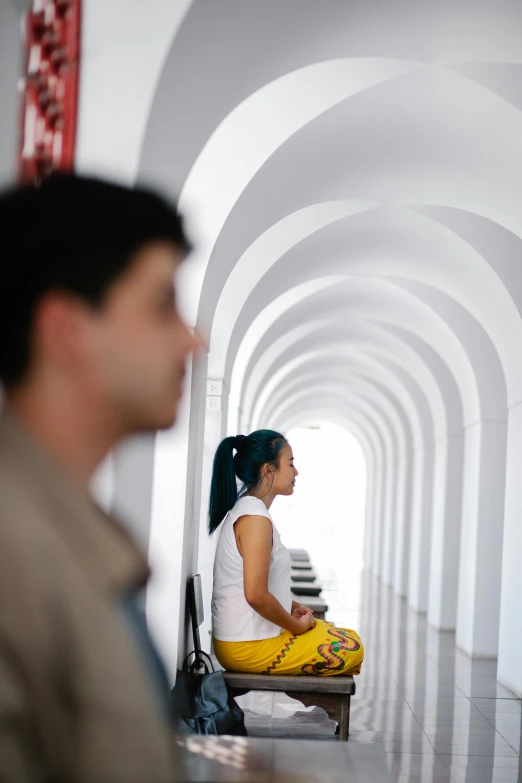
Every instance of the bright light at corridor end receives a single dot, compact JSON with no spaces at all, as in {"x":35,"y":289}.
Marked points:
{"x":326,"y":513}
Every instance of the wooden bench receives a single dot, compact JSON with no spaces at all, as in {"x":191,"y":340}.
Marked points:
{"x":302,"y":576}
{"x":298,"y":565}
{"x":332,"y":694}
{"x":318,"y":606}
{"x":299,"y":553}
{"x":305,"y":588}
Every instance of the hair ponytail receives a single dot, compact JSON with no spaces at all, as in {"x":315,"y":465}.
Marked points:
{"x":252,"y":452}
{"x":223,"y":488}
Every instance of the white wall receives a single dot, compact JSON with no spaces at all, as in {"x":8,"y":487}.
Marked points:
{"x":124,"y":46}
{"x":510,"y":635}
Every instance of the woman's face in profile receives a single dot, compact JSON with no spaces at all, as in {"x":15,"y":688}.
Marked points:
{"x":286,"y":473}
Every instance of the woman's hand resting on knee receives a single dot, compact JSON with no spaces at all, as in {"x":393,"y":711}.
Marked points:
{"x":305,"y":622}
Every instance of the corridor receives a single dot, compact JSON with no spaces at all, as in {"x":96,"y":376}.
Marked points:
{"x":348,"y":174}
{"x":439,"y":715}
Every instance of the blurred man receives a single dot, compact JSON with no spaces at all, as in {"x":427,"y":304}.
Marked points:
{"x":92,"y":350}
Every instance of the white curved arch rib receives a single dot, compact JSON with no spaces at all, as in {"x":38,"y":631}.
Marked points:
{"x":305,"y":94}
{"x":273,"y":310}
{"x":352,"y":361}
{"x":366,"y":343}
{"x":265,"y":251}
{"x":355,"y":299}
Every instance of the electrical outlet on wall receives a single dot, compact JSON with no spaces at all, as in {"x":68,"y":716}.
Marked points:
{"x":215,"y":387}
{"x":213,"y":402}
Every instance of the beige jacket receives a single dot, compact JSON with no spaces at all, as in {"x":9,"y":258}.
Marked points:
{"x":75,"y":702}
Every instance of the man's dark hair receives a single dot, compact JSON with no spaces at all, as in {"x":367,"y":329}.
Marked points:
{"x":74,"y":234}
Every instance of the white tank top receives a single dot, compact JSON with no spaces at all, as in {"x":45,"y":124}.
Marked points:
{"x":233,"y":619}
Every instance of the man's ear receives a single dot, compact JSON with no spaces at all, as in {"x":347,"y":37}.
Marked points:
{"x":57,"y":326}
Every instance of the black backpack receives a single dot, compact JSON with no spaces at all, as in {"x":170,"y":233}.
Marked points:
{"x":200,"y":700}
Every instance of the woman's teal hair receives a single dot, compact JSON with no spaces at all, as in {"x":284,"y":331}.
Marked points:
{"x":252,"y":452}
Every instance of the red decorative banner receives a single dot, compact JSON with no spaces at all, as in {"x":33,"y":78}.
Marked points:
{"x":50,"y":88}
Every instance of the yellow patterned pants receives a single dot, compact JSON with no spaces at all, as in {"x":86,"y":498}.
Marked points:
{"x":324,"y":650}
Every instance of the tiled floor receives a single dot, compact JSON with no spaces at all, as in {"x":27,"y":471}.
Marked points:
{"x":438,"y":715}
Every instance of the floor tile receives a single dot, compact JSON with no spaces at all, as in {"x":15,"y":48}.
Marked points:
{"x":486,"y":688}
{"x":461,"y":731}
{"x":405,"y":746}
{"x":415,"y":733}
{"x":479,"y":761}
{"x":478,"y":721}
{"x":474,"y":750}
{"x":505,"y":721}
{"x":498,"y":705}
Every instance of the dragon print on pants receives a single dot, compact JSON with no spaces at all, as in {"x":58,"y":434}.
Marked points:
{"x":331,"y":652}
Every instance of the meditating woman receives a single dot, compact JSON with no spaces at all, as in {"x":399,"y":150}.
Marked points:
{"x":257,"y":627}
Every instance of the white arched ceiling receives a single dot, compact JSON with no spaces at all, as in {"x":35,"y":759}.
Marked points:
{"x":369,"y":348}
{"x":405,"y":169}
{"x":217,"y":152}
{"x":390,"y":242}
{"x":371,"y":419}
{"x":482,"y":283}
{"x":125,"y":44}
{"x":469,"y":361}
{"x":268,"y":248}
{"x":254,"y":44}
{"x":381,"y":304}
{"x":216,"y":182}
{"x":376,"y":396}
{"x":448,"y":461}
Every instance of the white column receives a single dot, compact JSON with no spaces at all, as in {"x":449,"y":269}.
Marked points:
{"x":379,"y":515}
{"x":401,"y":560}
{"x":510,"y":634}
{"x":388,"y":532}
{"x":395,"y":531}
{"x":234,"y":421}
{"x":422,"y":500}
{"x":478,"y":612}
{"x":215,"y":418}
{"x":445,"y":536}
{"x":371,"y":484}
{"x":173,"y":535}
{"x":395,"y":525}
